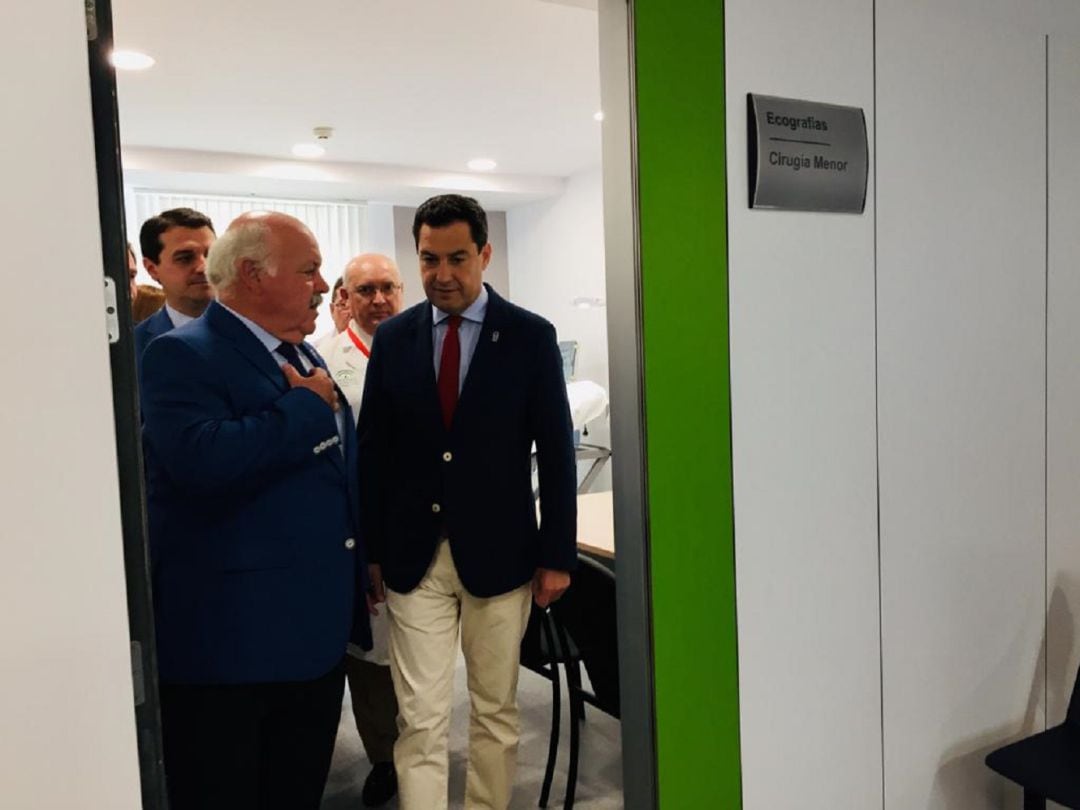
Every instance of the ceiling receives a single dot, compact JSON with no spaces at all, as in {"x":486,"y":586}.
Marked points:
{"x":411,"y":83}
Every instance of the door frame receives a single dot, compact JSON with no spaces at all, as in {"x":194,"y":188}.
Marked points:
{"x":126,"y":418}
{"x":626,"y":382}
{"x":627,"y":411}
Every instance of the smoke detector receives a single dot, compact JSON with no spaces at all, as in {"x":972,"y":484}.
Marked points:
{"x":314,"y":150}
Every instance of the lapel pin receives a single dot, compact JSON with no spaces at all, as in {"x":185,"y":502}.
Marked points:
{"x":495,"y":336}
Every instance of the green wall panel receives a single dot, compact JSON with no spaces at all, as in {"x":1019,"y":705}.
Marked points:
{"x":679,"y":74}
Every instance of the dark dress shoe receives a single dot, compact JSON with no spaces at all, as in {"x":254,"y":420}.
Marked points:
{"x":380,"y":785}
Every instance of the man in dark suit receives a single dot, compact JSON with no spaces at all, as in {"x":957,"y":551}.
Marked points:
{"x":257,"y":572}
{"x":458,"y":391}
{"x":175,"y":245}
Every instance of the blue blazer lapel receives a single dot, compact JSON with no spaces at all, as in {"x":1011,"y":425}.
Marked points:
{"x":350,"y":463}
{"x":226,"y":324}
{"x":424,"y":349}
{"x":159,"y":324}
{"x":314,"y":357}
{"x":487,"y":346}
{"x":425,"y":344}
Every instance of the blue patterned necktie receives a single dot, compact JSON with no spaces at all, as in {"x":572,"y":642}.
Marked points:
{"x":289,"y":352}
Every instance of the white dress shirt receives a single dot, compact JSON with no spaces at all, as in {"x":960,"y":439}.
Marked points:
{"x":178,"y":318}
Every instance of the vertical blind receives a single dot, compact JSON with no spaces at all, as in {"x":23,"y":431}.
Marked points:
{"x":339,"y":227}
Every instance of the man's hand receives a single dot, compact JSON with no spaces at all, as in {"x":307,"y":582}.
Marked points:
{"x":318,"y":383}
{"x":378,"y":590}
{"x":548,"y":585}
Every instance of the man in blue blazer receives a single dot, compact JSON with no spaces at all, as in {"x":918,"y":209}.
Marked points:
{"x":458,"y":391}
{"x":257,"y":571}
{"x":175,"y":245}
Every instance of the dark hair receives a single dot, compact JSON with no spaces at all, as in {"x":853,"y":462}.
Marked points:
{"x":337,"y":286}
{"x":153,"y":228}
{"x":446,"y":209}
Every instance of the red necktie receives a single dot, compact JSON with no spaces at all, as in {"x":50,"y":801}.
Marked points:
{"x":450,"y":370}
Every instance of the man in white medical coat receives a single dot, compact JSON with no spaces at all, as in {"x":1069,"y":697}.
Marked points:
{"x":372,"y":289}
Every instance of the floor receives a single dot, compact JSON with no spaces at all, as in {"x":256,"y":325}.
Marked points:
{"x":599,"y":772}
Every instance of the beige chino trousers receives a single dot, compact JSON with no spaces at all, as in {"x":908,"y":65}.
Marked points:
{"x":424,"y":628}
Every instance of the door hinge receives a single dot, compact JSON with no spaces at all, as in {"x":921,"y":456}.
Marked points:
{"x":91,"y":20}
{"x":112,"y":320}
{"x":138,"y":678}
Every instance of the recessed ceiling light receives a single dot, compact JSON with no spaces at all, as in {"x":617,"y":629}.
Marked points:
{"x":131,"y":60}
{"x":482,"y":164}
{"x":598,"y":115}
{"x":308,"y":150}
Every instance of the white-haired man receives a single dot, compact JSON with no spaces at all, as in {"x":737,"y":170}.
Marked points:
{"x":372,"y":291}
{"x":257,"y":575}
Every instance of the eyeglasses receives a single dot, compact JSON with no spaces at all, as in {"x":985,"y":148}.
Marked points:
{"x":368,"y":291}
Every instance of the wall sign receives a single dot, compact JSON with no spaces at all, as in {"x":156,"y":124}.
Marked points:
{"x":806,"y":156}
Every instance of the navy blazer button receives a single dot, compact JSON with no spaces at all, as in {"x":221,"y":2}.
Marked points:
{"x":447,"y":456}
{"x":436,"y":508}
{"x":350,"y":544}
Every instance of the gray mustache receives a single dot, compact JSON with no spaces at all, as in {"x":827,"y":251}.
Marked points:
{"x":316,"y":299}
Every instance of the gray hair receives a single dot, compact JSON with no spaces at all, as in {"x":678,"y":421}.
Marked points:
{"x":243,"y":240}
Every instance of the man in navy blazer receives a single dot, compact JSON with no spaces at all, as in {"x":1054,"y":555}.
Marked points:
{"x":257,"y":570}
{"x":175,"y":245}
{"x":459,"y":390}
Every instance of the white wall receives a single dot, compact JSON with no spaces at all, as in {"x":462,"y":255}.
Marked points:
{"x":1063,"y":379}
{"x":976,"y":447}
{"x":556,"y":255}
{"x":380,"y":228}
{"x":961,"y":303}
{"x":802,"y":384}
{"x":68,"y":740}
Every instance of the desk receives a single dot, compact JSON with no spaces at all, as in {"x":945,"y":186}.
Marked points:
{"x":595,"y":524}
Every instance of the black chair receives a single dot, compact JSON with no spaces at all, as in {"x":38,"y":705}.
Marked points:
{"x":539,"y":654}
{"x":1046,"y":765}
{"x":584,"y":624}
